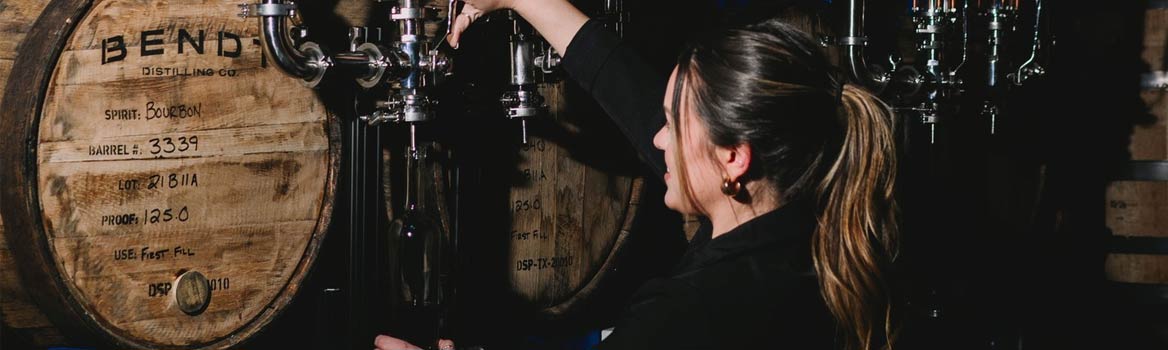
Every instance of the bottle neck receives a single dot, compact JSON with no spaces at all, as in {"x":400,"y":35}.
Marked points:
{"x":415,"y":179}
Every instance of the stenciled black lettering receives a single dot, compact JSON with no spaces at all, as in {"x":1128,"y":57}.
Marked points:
{"x":146,"y":42}
{"x":183,"y":34}
{"x":119,"y":46}
{"x":153,"y":42}
{"x":238,"y":44}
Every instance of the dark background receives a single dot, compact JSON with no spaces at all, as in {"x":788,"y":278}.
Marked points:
{"x":1004,"y":235}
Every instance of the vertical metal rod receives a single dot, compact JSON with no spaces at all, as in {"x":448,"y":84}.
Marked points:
{"x":414,"y":140}
{"x":1018,"y":76}
{"x":363,"y":230}
{"x":853,"y":42}
{"x":964,"y":38}
{"x":356,"y":288}
{"x":523,"y":125}
{"x":993,"y":120}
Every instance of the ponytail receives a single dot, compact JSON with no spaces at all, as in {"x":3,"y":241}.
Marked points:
{"x":856,"y":234}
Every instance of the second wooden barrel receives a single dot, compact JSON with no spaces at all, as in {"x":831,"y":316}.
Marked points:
{"x":574,"y":224}
{"x":568,"y":220}
{"x":1137,"y":201}
{"x":163,"y":187}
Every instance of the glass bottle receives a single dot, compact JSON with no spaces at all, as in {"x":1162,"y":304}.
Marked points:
{"x":421,"y":238}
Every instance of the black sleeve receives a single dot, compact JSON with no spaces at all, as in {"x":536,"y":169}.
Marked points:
{"x":665,"y":314}
{"x":623,"y":84}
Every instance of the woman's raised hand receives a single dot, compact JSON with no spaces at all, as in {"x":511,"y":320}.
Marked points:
{"x":471,"y":11}
{"x":556,"y":20}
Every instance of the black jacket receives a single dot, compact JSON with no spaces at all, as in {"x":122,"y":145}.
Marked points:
{"x":752,"y":287}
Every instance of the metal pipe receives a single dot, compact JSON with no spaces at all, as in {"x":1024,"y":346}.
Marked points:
{"x":409,"y":15}
{"x":1031,"y":67}
{"x":853,"y":43}
{"x":993,"y":46}
{"x":412,"y":47}
{"x":1001,"y":17}
{"x":309,"y":66}
{"x":964,"y":39}
{"x":360,"y":64}
{"x":931,"y":26}
{"x":522,"y":59}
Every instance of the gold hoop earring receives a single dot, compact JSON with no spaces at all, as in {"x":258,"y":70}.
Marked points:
{"x":731,"y":187}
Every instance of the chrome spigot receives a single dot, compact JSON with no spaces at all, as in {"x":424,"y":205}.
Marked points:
{"x":523,"y":101}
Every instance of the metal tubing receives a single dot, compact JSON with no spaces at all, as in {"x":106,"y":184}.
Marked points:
{"x":964,"y":39}
{"x":522,"y":59}
{"x":358,"y":63}
{"x":1024,"y":70}
{"x":412,"y":47}
{"x":279,"y":49}
{"x":993,"y":46}
{"x":854,"y":42}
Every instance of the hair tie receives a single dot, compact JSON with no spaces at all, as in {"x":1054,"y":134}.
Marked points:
{"x":839,"y":94}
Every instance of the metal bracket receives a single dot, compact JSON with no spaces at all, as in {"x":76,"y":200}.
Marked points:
{"x":548,"y":62}
{"x":266,"y":10}
{"x":404,"y":13}
{"x":1154,"y":81}
{"x":1143,"y":170}
{"x":853,"y":41}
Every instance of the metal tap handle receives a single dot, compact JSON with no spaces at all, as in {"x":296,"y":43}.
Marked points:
{"x":1031,"y":67}
{"x":523,"y":130}
{"x":452,"y":12}
{"x":964,"y":38}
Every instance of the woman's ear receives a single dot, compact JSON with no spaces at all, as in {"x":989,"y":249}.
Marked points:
{"x":735,"y":160}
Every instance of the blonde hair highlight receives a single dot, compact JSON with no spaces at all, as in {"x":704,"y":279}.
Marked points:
{"x":857,"y":228}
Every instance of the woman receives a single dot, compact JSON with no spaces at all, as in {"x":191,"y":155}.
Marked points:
{"x":792,"y":170}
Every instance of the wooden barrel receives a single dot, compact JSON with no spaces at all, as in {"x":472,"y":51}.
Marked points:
{"x":566,"y":219}
{"x":551,"y":230}
{"x":20,"y":314}
{"x":163,"y":187}
{"x":1137,"y":201}
{"x":17,"y":310}
{"x":1137,"y":214}
{"x":583,"y":228}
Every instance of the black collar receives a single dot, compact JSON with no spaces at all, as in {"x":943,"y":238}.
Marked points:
{"x":790,"y":224}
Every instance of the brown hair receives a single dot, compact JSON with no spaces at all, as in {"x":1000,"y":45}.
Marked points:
{"x":813,"y":139}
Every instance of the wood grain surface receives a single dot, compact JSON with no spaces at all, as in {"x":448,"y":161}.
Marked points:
{"x":1140,"y":208}
{"x":165,"y":145}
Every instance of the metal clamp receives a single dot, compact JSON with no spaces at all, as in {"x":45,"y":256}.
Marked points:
{"x":1154,"y":81}
{"x":406,"y":108}
{"x":1143,"y":170}
{"x":376,"y":63}
{"x":405,"y":13}
{"x":523,"y":103}
{"x":853,"y":41}
{"x":267,"y":10}
{"x":435,"y":62}
{"x":548,"y":62}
